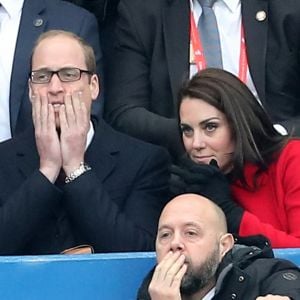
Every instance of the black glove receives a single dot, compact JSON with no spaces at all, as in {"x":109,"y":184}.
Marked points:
{"x":208,"y":181}
{"x":183,"y":176}
{"x":176,"y":184}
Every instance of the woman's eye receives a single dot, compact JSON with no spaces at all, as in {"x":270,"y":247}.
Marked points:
{"x":211,"y":127}
{"x":186,"y":130}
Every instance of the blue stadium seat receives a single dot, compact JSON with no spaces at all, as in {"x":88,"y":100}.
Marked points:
{"x":292,"y":254}
{"x":83,"y":277}
{"x":98,"y":276}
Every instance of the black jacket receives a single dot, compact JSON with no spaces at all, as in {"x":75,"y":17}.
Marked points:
{"x":247,"y":272}
{"x":114,"y":207}
{"x":151,"y":59}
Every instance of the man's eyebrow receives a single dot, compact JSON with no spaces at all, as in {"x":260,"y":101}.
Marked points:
{"x":183,"y":225}
{"x":41,"y":69}
{"x":164,"y":227}
{"x":192,"y":224}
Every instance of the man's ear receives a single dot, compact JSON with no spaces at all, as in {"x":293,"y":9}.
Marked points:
{"x":226,"y":244}
{"x":94,"y":86}
{"x":30,"y":89}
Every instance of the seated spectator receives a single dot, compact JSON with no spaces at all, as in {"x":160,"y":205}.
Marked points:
{"x":197,"y":259}
{"x":22,"y":21}
{"x":155,"y":50}
{"x":223,"y":124}
{"x":69,"y":182}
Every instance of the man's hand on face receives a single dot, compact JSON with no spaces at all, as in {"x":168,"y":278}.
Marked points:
{"x":166,"y":280}
{"x":74,"y":126}
{"x":64,"y":150}
{"x":46,"y":136}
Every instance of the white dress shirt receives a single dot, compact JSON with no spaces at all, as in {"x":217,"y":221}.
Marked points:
{"x":228,"y":13}
{"x":90,"y":135}
{"x":10,"y":16}
{"x":210,"y":294}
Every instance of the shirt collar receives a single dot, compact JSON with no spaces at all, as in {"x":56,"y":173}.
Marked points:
{"x":90,"y":135}
{"x":210,"y":294}
{"x":12,"y":7}
{"x":231,"y":4}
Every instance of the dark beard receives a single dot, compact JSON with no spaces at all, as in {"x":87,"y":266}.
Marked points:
{"x":198,"y":278}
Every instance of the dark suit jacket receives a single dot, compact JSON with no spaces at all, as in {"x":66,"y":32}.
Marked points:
{"x":113,"y":207}
{"x":106,"y":14}
{"x":152,"y":59}
{"x":100,"y":8}
{"x":37,"y":17}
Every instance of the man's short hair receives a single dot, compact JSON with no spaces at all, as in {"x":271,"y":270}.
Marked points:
{"x":88,"y":51}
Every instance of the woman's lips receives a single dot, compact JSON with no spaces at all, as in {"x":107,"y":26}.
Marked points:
{"x":204,"y":159}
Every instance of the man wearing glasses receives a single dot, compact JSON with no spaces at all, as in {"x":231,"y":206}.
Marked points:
{"x":21,"y":23}
{"x":70,"y":181}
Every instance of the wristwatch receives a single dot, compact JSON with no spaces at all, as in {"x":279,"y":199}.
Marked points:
{"x":83,"y":167}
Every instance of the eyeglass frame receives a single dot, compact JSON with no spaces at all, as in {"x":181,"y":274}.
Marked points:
{"x":57,"y":73}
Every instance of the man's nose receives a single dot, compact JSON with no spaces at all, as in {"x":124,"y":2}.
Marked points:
{"x":177,"y":243}
{"x":55,"y":85}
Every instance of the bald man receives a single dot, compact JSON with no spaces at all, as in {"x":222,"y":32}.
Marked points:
{"x":198,"y":259}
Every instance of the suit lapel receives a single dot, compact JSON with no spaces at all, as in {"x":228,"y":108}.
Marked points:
{"x":32,"y":24}
{"x":256,"y":41}
{"x":103,"y":151}
{"x":101,"y":154}
{"x":176,"y":40}
{"x":26,"y":153}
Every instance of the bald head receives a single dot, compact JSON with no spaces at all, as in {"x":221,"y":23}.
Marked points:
{"x":195,"y":226}
{"x":197,"y":206}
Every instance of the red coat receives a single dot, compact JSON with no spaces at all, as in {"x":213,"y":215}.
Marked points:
{"x":274,"y":208}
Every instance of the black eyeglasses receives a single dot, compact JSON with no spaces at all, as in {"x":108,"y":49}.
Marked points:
{"x":64,"y":74}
